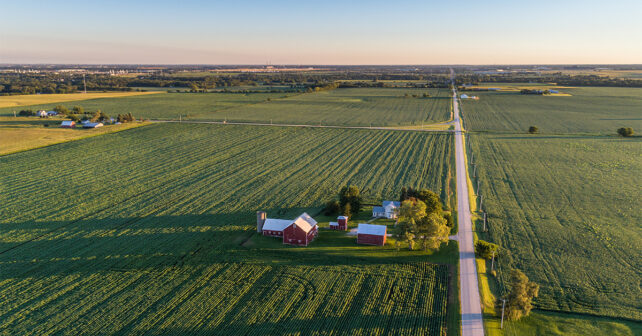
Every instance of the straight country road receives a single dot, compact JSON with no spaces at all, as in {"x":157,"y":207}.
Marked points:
{"x":472,"y":323}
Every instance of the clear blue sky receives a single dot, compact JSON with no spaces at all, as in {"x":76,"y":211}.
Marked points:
{"x":321,"y":32}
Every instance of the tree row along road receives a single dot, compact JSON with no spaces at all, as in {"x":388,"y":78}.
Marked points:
{"x":472,"y":323}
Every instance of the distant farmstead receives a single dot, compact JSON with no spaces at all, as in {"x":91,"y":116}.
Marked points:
{"x":42,"y":114}
{"x":371,"y":234}
{"x":341,"y":224}
{"x":299,"y":231}
{"x":465,"y":96}
{"x":68,"y":124}
{"x":388,"y":209}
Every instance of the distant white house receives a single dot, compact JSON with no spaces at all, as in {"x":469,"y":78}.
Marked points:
{"x":388,"y":209}
{"x":465,"y":96}
{"x":42,"y":114}
{"x":86,"y":121}
{"x":92,"y":125}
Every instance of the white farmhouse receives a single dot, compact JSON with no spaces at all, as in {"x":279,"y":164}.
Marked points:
{"x":388,"y":209}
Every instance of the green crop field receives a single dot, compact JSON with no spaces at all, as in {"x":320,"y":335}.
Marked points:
{"x":588,"y":110}
{"x":566,"y":210}
{"x":354,"y":107}
{"x":152,"y":231}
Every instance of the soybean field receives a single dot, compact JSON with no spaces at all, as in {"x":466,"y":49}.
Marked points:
{"x":152,"y":231}
{"x":594,"y":110}
{"x":344,"y":107}
{"x":566,"y":211}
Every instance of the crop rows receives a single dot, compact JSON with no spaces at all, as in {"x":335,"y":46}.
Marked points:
{"x":356,"y":107}
{"x":139,"y":232}
{"x":566,"y":210}
{"x":588,"y":110}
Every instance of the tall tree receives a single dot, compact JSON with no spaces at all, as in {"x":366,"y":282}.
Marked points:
{"x":520,"y":297}
{"x":352,"y":195}
{"x":432,"y":230}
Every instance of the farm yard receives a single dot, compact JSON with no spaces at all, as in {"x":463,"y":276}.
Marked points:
{"x":591,"y":110}
{"x":152,"y":231}
{"x":566,"y":209}
{"x":346,"y":107}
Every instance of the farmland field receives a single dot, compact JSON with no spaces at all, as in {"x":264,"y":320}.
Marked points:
{"x":566,"y":209}
{"x":596,"y":110}
{"x":354,"y":107}
{"x":152,"y":231}
{"x":39,"y":99}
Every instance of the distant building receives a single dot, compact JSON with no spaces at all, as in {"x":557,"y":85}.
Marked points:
{"x":388,"y":209}
{"x":371,"y":234}
{"x":300,"y":231}
{"x":42,"y":114}
{"x":92,"y":125}
{"x":465,"y":96}
{"x":553,"y":91}
{"x":341,"y":224}
{"x":52,"y":113}
{"x":68,"y":124}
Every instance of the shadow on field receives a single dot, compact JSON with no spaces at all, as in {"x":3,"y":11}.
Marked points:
{"x":88,"y":246}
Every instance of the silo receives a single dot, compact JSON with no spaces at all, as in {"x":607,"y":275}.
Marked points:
{"x":260,"y":220}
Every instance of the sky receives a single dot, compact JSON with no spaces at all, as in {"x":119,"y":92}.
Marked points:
{"x":321,"y":32}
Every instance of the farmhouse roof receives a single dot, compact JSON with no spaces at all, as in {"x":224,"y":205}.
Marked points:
{"x":305,"y":222}
{"x":378,"y":209}
{"x":371,"y":229}
{"x":92,"y":125}
{"x":393,"y":203}
{"x":334,"y":224}
{"x":342,"y":217}
{"x":272,"y":224}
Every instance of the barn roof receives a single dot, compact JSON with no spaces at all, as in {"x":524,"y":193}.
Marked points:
{"x":305,"y":222}
{"x":272,"y":224}
{"x":67,"y":122}
{"x":372,"y":229}
{"x":334,"y":224}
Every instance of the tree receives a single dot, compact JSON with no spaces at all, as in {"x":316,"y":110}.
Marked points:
{"x":520,"y":298}
{"x":332,"y":208}
{"x":484,"y":249}
{"x":27,"y":112}
{"x":432,"y":200}
{"x":533,"y":129}
{"x":95,"y":117}
{"x":74,"y":118}
{"x":625,"y":131}
{"x":61,"y":109}
{"x":404,"y":194}
{"x":410,"y":211}
{"x":78,"y":109}
{"x":432,"y":230}
{"x":347,"y":210}
{"x":450,"y":221}
{"x":350,"y":194}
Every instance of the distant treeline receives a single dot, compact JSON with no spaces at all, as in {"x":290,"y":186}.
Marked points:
{"x":557,"y":78}
{"x":51,"y":82}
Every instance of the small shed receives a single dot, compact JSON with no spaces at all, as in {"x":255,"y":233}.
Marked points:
{"x":371,"y":234}
{"x":341,"y":224}
{"x":68,"y":124}
{"x":274,"y":227}
{"x":92,"y":125}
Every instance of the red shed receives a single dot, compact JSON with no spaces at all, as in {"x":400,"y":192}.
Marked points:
{"x":341,"y":224}
{"x":301,"y":231}
{"x":371,"y":234}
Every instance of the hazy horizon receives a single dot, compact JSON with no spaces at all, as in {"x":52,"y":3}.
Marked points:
{"x":328,"y":33}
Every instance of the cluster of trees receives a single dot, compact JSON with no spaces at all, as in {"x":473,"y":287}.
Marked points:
{"x":421,"y":220}
{"x":537,"y":92}
{"x":519,"y":301}
{"x":349,"y":202}
{"x":414,"y":95}
{"x":625,"y":131}
{"x":533,"y":130}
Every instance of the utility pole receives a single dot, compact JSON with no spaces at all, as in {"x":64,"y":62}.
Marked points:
{"x":492,"y":262}
{"x":484,"y":222}
{"x":481,"y":200}
{"x":478,"y":186}
{"x":14,"y":114}
{"x":474,"y":170}
{"x":503,"y":305}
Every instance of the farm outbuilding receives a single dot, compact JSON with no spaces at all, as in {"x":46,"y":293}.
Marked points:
{"x":300,"y":231}
{"x":92,"y":125}
{"x":341,"y":224}
{"x":371,"y":234}
{"x":42,"y":114}
{"x":68,"y":124}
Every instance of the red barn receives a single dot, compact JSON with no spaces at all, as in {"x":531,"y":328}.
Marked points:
{"x":341,"y":224}
{"x":301,"y":232}
{"x":68,"y":124}
{"x":371,"y":234}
